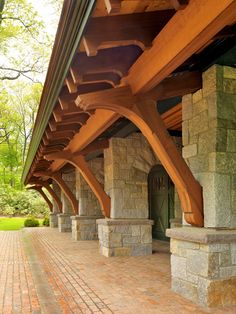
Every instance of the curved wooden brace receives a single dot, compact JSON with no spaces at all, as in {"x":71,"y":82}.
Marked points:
{"x":57,"y":177}
{"x":39,"y":189}
{"x":53,"y":195}
{"x":143,"y":113}
{"x":79,"y":162}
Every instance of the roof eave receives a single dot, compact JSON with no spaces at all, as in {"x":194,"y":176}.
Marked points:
{"x":74,"y":16}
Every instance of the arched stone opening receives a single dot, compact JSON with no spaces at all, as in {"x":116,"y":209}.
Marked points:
{"x":161,"y":201}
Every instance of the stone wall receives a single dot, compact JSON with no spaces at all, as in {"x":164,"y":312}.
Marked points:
{"x":203,"y":265}
{"x":88,"y":202}
{"x":69,"y":179}
{"x":209,"y":139}
{"x":118,"y":237}
{"x":53,"y":220}
{"x":64,"y":222}
{"x":84,"y":228}
{"x":57,"y":190}
{"x":127,"y":163}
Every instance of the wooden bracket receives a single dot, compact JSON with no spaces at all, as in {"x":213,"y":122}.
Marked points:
{"x":64,"y":187}
{"x":39,"y":189}
{"x":143,"y":113}
{"x":47,"y":186}
{"x":104,"y":200}
{"x":79,"y":162}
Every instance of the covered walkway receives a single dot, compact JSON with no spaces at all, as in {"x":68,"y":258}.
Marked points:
{"x":44,"y":271}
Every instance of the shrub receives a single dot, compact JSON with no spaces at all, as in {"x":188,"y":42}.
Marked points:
{"x":46,"y":222}
{"x":20,"y":203}
{"x":31,"y":222}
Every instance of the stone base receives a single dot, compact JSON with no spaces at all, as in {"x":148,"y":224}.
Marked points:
{"x":53,"y":220}
{"x":203,"y":265}
{"x":175,"y":222}
{"x":64,"y":222}
{"x":125,"y":237}
{"x":84,"y":228}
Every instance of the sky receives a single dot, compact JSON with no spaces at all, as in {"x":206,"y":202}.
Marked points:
{"x":48,"y":14}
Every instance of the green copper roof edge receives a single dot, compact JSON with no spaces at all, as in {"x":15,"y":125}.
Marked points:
{"x":81,"y":10}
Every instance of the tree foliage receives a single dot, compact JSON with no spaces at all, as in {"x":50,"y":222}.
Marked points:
{"x":23,"y":41}
{"x":25,"y":48}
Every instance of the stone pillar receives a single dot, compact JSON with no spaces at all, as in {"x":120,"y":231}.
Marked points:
{"x":53,"y":217}
{"x":127,"y":164}
{"x":84,"y":225}
{"x":64,"y":219}
{"x":53,"y":220}
{"x":203,"y":260}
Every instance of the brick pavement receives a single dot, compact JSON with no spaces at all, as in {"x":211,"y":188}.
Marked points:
{"x":44,"y":271}
{"x":17,"y":289}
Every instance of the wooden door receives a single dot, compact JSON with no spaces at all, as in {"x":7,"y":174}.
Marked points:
{"x":161,"y":201}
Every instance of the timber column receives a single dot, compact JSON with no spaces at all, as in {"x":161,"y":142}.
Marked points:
{"x":64,"y":219}
{"x":128,"y":231}
{"x":84,"y":225}
{"x":54,"y":215}
{"x":203,"y":261}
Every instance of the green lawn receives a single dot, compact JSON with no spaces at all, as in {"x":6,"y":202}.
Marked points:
{"x":13,"y":223}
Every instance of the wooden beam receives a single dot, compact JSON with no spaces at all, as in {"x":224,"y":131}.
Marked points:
{"x":64,"y":187}
{"x":57,"y":135}
{"x":184,"y":34}
{"x":58,"y":112}
{"x":130,"y":29}
{"x":65,"y":154}
{"x":115,"y":60}
{"x":143,"y":113}
{"x":88,"y":133}
{"x":41,"y":192}
{"x":113,"y":6}
{"x":107,"y":77}
{"x":177,"y":85}
{"x":72,"y":87}
{"x":65,"y":99}
{"x":179,"y":4}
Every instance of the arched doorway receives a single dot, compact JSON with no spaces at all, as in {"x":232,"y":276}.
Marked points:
{"x":161,"y":201}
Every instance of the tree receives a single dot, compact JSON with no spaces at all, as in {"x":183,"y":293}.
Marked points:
{"x":18,"y":106}
{"x":23,"y":41}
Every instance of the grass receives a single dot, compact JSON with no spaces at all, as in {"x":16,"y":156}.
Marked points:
{"x":13,"y":223}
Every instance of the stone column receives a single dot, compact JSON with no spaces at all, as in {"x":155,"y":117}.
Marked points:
{"x":203,"y":260}
{"x":64,"y":219}
{"x":128,"y":231}
{"x":53,"y":217}
{"x":84,"y":225}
